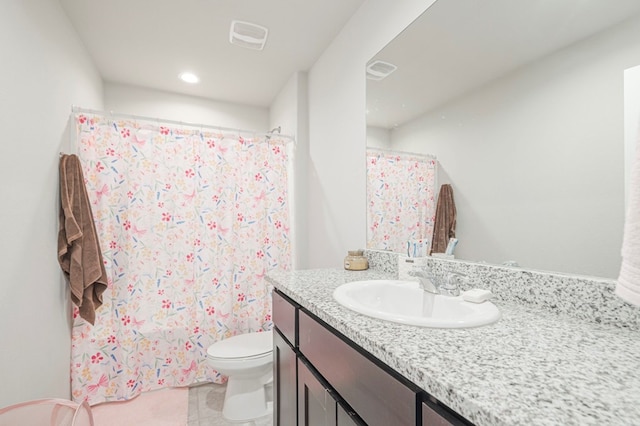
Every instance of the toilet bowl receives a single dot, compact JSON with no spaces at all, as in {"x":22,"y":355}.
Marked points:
{"x":247,"y":360}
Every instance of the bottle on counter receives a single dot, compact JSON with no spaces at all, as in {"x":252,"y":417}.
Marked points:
{"x":355,"y":261}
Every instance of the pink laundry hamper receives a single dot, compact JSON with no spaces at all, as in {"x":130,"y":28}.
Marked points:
{"x":47,"y":412}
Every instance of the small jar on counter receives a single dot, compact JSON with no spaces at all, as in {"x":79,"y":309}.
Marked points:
{"x":355,"y":261}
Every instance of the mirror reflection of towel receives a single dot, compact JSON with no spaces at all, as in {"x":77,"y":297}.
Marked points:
{"x":445,"y":226}
{"x":628,"y":286}
{"x":79,"y":252}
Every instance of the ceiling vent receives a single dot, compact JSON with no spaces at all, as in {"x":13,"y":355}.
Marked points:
{"x":246,"y":34}
{"x":378,"y":70}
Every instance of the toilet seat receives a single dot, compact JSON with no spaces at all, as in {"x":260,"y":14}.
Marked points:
{"x":248,"y":346}
{"x":248,"y":358}
{"x":243,"y":346}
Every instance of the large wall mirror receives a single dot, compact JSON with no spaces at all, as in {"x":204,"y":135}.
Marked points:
{"x":521,"y":102}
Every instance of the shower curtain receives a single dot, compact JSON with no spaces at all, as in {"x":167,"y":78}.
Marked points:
{"x":400,"y":199}
{"x":189,"y":222}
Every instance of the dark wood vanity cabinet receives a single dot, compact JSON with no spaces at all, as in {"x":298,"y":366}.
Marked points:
{"x":285,"y":368}
{"x":284,"y":381}
{"x":435,"y":415}
{"x":377,"y":397}
{"x":347,"y":417}
{"x":318,"y":404}
{"x":321,"y":378}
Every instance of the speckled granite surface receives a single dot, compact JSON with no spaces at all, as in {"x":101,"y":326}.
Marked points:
{"x":586,"y":298}
{"x":382,"y":260}
{"x":535,"y":366}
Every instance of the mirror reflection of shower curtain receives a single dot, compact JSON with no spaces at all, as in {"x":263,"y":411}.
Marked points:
{"x":400,"y":199}
{"x":190,"y":222}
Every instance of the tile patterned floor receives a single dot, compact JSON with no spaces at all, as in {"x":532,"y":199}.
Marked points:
{"x":205,"y":407}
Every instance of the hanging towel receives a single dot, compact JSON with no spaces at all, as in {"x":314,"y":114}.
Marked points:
{"x":78,"y":247}
{"x":628,"y":286}
{"x":445,"y":226}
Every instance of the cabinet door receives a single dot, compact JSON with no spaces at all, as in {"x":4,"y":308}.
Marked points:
{"x":285,"y":390}
{"x":347,"y":417}
{"x":434,"y":415}
{"x":431,"y":418}
{"x":316,"y":405}
{"x":379,"y":398}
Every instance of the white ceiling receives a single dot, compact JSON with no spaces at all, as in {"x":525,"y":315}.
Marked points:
{"x":150,"y":42}
{"x":459,"y":45}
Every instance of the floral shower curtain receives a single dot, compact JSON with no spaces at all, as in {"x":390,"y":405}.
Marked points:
{"x":189,"y":224}
{"x":400,"y":199}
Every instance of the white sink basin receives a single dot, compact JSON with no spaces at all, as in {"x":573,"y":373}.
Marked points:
{"x":405,"y":302}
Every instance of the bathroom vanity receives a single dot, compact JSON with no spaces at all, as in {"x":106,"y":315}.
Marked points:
{"x":335,"y":366}
{"x":323,"y":378}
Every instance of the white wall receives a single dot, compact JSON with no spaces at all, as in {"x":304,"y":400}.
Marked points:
{"x":45,"y":70}
{"x":378,"y":137}
{"x":337,"y":129}
{"x":285,"y":108}
{"x":536,"y":159}
{"x":289,"y":111}
{"x":125,"y":99}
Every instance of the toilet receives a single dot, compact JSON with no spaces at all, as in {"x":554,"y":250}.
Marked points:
{"x":247,"y":360}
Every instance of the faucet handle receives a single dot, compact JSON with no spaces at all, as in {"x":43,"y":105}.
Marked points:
{"x":453,"y":280}
{"x":453,"y":277}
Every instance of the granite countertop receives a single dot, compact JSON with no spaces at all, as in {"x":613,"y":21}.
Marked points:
{"x":533,"y":367}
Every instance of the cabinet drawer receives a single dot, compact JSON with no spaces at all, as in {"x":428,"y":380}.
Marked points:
{"x":284,"y":317}
{"x":377,"y":397}
{"x":431,"y":418}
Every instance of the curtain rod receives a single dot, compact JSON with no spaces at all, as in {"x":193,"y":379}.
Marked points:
{"x":269,"y":134}
{"x":390,"y":151}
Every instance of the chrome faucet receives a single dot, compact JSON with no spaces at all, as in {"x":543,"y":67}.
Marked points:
{"x":425,"y":279}
{"x":452,"y":284}
{"x":428,"y":282}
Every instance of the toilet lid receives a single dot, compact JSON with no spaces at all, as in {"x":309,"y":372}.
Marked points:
{"x":243,"y":346}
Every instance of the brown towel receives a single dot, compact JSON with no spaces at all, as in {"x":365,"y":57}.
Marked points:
{"x":445,"y":226}
{"x":78,"y":247}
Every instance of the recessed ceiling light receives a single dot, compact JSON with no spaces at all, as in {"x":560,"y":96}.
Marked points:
{"x":189,"y":77}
